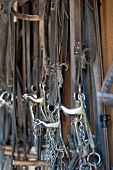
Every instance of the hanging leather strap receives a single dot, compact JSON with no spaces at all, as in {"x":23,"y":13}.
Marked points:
{"x":86,"y":67}
{"x":25,"y":16}
{"x":96,"y":72}
{"x":52,"y":47}
{"x":4,"y":37}
{"x":9,"y":78}
{"x":14,"y":94}
{"x":65,"y":43}
{"x":72,"y":46}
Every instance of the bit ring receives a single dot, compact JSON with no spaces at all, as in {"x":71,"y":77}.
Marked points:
{"x":93,"y":163}
{"x":64,"y":64}
{"x":81,"y":96}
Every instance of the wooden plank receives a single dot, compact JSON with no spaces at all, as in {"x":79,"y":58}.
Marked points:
{"x":106,"y":13}
{"x":29,"y":163}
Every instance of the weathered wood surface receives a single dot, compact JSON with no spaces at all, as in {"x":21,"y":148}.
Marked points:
{"x":106,"y":15}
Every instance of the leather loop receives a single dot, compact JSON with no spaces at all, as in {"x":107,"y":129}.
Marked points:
{"x":25,"y":16}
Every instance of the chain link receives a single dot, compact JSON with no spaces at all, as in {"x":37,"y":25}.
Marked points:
{"x":51,"y":147}
{"x":82,"y":129}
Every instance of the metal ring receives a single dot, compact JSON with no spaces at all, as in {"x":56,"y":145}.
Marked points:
{"x":3,"y":94}
{"x":64,"y":64}
{"x":93,"y":163}
{"x":33,"y":89}
{"x":81,"y":96}
{"x":89,"y":50}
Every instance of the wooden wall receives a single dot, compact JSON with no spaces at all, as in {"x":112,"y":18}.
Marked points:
{"x":106,"y":15}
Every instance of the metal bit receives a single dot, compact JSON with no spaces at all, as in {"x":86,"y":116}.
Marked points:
{"x":33,"y":98}
{"x":48,"y":125}
{"x":75,"y":111}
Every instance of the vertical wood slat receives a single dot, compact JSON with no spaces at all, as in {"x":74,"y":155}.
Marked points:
{"x":106,"y":16}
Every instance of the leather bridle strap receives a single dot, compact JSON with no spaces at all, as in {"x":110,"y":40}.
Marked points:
{"x":14,"y":94}
{"x":101,"y":109}
{"x":86,"y":69}
{"x":65,"y":44}
{"x":72,"y":46}
{"x":52,"y":48}
{"x":9,"y":78}
{"x":78,"y":44}
{"x":96,"y":71}
{"x":25,"y":16}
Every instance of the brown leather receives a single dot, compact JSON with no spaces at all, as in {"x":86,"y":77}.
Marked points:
{"x":75,"y":37}
{"x":25,"y":16}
